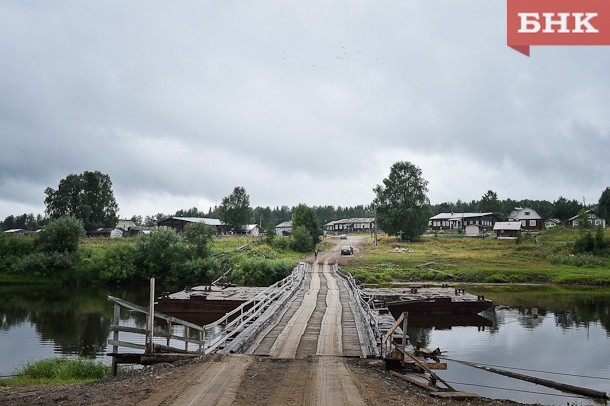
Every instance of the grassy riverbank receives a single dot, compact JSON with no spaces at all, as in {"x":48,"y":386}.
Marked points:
{"x":548,"y":258}
{"x":60,"y":371}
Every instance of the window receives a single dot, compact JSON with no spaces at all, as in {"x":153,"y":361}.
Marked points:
{"x":523,"y":223}
{"x":527,"y":213}
{"x":532,"y":223}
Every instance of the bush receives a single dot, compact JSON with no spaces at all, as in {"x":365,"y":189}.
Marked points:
{"x":160,"y":253}
{"x":281,"y":243}
{"x":261,"y":272}
{"x":198,"y":271}
{"x":117,"y":263}
{"x":302,"y":241}
{"x":62,"y":234}
{"x":15,"y":245}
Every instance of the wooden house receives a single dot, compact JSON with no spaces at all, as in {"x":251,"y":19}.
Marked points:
{"x":507,"y":230}
{"x":284,"y":228}
{"x":351,"y":225}
{"x":592,"y":217}
{"x":458,"y":221}
{"x":180,"y":223}
{"x":529,"y":218}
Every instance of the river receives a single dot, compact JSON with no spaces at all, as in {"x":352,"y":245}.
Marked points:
{"x":538,"y":329}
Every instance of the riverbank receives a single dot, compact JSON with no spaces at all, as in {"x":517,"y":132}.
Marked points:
{"x":547,"y":259}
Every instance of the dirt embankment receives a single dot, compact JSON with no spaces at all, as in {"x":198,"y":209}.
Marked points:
{"x":241,"y":380}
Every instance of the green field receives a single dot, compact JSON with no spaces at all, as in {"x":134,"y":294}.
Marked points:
{"x":547,"y":258}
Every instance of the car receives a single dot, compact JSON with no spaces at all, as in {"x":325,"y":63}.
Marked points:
{"x":347,"y":250}
{"x":343,"y":237}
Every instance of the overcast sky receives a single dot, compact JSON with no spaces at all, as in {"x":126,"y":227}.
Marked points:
{"x":297,"y":101}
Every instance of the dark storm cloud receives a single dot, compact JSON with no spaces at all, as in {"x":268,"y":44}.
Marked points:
{"x":297,"y":102}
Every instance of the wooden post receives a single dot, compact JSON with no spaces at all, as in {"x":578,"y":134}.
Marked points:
{"x":116,"y":319}
{"x":151,"y":315}
{"x":405,"y":318}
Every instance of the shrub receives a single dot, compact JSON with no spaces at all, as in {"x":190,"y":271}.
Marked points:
{"x":281,"y":243}
{"x":301,"y":241}
{"x":159,"y":253}
{"x":62,"y":234}
{"x":15,"y":245}
{"x":197,"y":271}
{"x":261,"y":272}
{"x":117,"y":263}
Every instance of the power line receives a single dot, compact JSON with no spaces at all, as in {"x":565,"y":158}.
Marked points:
{"x":519,"y":390}
{"x":536,"y":370}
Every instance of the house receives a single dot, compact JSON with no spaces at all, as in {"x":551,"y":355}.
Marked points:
{"x":180,"y":223}
{"x":473,"y":230}
{"x":284,"y":228}
{"x":457,"y":221}
{"x":106,"y":232}
{"x":16,"y":231}
{"x":507,"y":230}
{"x":126,"y":224}
{"x":351,"y":225}
{"x":592,"y":218}
{"x":529,"y":218}
{"x":252,"y":230}
{"x":552,"y":223}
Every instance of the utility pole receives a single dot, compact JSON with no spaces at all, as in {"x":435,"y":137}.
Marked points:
{"x":375,"y":223}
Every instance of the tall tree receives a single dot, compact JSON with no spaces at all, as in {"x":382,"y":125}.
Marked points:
{"x":403,"y":207}
{"x":563,"y":208}
{"x":235,"y":210}
{"x":306,"y":228}
{"x":88,"y":197}
{"x":490,"y":203}
{"x":603,"y":206}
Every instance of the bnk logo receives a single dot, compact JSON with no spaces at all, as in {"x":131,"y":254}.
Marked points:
{"x":557,"y":22}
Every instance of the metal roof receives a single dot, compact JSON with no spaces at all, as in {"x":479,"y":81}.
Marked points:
{"x":208,"y":221}
{"x":507,"y":225}
{"x":457,"y":216}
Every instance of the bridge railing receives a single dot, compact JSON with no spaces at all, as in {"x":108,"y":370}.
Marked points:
{"x":365,"y":311}
{"x":237,"y":320}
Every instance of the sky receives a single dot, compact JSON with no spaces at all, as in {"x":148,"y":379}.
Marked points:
{"x":298,"y":102}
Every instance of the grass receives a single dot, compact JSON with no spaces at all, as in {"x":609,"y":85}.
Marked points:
{"x":482,"y":260}
{"x":53,"y":371}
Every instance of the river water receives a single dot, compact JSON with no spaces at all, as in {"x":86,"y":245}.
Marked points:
{"x":554,"y":330}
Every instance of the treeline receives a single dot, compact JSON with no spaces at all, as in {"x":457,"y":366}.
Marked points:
{"x":266,"y":216}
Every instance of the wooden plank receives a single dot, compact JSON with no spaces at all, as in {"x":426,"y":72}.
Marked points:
{"x":144,"y":310}
{"x":394,"y":327}
{"x":454,"y":395}
{"x":415,"y":381}
{"x":127,"y":329}
{"x":119,"y":343}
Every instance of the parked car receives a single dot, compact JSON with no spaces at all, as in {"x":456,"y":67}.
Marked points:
{"x":343,"y":237}
{"x":347,"y":250}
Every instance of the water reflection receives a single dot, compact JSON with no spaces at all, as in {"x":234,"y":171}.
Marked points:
{"x":543,"y":330}
{"x":42,"y":321}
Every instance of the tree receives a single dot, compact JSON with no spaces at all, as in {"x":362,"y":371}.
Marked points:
{"x":402,"y":205}
{"x":603,"y":206}
{"x":489,"y":203}
{"x":305,"y":217}
{"x":200,"y":235}
{"x":235,"y":209}
{"x":61,"y":235}
{"x":87,"y":196}
{"x":563,"y":208}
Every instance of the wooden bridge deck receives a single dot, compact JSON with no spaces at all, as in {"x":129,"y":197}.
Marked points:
{"x":319,"y":320}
